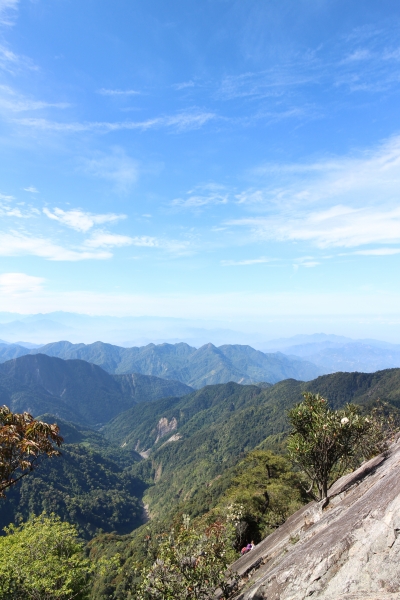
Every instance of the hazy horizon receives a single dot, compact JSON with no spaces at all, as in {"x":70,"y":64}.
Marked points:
{"x":43,"y":328}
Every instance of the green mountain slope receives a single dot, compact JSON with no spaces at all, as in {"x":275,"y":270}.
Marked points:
{"x":196,"y":367}
{"x":192,"y":440}
{"x":90,"y":485}
{"x":75,"y":389}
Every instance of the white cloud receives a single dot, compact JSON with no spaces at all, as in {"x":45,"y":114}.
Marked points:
{"x":173,"y":247}
{"x":80,"y":220}
{"x":305,"y":261}
{"x":251,"y":261}
{"x":339,"y":226}
{"x":343,"y":202}
{"x":203,"y":195}
{"x":269,"y":83}
{"x":16,"y":283}
{"x":150,"y":242}
{"x":17,"y":244}
{"x":359,"y":54}
{"x":31,"y":190}
{"x":8,"y":210}
{"x":11,"y":62}
{"x":378,"y":252}
{"x":6,"y":197}
{"x":184,"y":85}
{"x":369,"y":178}
{"x":117,"y":168}
{"x":7,"y":57}
{"x":103,"y":239}
{"x":107,"y":92}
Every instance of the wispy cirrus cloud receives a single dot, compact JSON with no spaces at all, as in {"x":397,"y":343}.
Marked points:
{"x":360,"y":179}
{"x":182,"y":121}
{"x":31,"y":189}
{"x":12,"y":101}
{"x":246,"y":262}
{"x":15,"y":243}
{"x":12,"y":63}
{"x":378,"y":252}
{"x":363,"y":62}
{"x":20,"y":283}
{"x":6,"y":197}
{"x":116,"y":92}
{"x":7,"y":57}
{"x":9,"y":209}
{"x":117,"y":167}
{"x":81,"y":220}
{"x":357,"y":55}
{"x":202,"y":196}
{"x":268,"y":83}
{"x":103,"y":239}
{"x":184,"y":85}
{"x":7,"y":11}
{"x":338,"y":226}
{"x":339,"y":202}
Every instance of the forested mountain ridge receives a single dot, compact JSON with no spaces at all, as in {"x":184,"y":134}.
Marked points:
{"x":90,"y":484}
{"x":212,"y":428}
{"x":76,"y":390}
{"x":207,"y":365}
{"x":194,"y":445}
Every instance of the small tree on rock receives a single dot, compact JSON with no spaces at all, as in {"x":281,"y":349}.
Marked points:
{"x":324,"y":443}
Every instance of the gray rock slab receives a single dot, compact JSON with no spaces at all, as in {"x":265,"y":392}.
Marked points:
{"x":349,"y":551}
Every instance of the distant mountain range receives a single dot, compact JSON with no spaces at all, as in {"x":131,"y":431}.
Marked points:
{"x":329,"y":353}
{"x":337,"y":353}
{"x":302,"y":357}
{"x":207,"y":365}
{"x":77,"y":390}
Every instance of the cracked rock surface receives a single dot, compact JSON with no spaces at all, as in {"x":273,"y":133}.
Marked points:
{"x":350,"y":550}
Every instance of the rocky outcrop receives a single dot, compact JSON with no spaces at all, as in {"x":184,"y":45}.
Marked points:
{"x":350,"y":550}
{"x":164,"y":427}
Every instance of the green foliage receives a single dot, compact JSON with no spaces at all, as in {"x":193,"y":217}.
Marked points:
{"x":42,"y":560}
{"x":100,"y":483}
{"x":90,"y":485}
{"x":190,"y":564}
{"x":325,"y":442}
{"x":264,"y":491}
{"x":218,"y":426}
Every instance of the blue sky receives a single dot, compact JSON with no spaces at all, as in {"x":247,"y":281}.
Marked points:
{"x":214,"y":159}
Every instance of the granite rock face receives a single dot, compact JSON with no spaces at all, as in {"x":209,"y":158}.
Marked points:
{"x":350,"y":550}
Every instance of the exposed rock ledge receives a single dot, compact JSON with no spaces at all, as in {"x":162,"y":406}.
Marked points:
{"x":348,"y":551}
